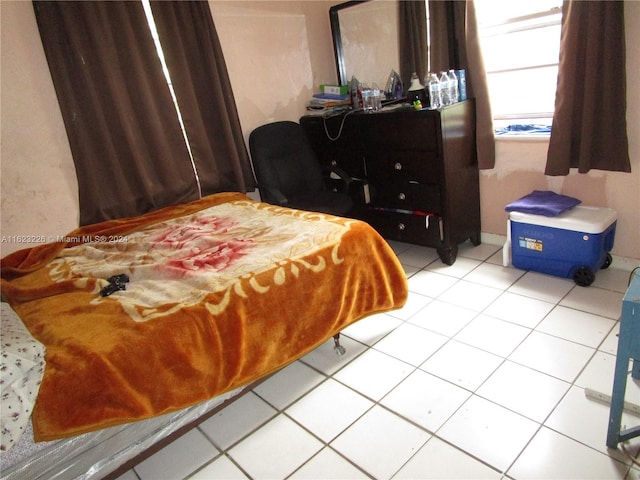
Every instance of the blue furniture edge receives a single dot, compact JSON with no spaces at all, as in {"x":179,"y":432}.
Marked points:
{"x":628,"y":349}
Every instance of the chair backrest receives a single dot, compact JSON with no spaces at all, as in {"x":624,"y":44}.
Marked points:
{"x":282,"y":158}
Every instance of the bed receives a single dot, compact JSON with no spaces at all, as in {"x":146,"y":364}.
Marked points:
{"x":148,"y":323}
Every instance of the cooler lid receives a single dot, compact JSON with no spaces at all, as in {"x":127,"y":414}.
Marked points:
{"x":580,"y":219}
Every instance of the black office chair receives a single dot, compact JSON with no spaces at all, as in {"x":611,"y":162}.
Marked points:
{"x":289,"y":174}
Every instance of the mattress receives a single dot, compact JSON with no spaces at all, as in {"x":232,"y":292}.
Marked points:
{"x":96,"y":454}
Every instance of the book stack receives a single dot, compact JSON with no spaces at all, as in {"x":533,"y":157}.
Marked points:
{"x":330,"y":96}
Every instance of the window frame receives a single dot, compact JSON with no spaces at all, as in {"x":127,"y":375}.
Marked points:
{"x":502,"y":27}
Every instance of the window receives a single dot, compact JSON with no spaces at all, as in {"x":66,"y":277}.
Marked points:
{"x":520,"y":44}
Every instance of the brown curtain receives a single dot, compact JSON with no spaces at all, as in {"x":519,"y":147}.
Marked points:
{"x":412,"y":17}
{"x":203,"y":90}
{"x":127,"y":145}
{"x":589,"y":124}
{"x":455,"y":44}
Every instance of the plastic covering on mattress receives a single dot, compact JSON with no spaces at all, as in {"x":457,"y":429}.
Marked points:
{"x":96,"y":454}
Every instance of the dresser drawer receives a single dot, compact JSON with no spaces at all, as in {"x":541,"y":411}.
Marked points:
{"x":402,"y":227}
{"x":409,"y":195}
{"x":407,"y":165}
{"x":336,"y":144}
{"x":393,"y":131}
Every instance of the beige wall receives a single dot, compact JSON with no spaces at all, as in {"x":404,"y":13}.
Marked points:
{"x":38,"y":184}
{"x":277,"y":54}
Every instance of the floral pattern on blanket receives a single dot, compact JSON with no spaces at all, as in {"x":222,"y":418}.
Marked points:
{"x":194,"y":248}
{"x":170,"y":264}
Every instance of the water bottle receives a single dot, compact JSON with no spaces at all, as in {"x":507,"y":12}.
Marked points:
{"x":445,"y":91}
{"x":462,"y":85}
{"x":367,"y":98}
{"x":377,"y":97}
{"x":435,"y":100}
{"x":453,"y":86}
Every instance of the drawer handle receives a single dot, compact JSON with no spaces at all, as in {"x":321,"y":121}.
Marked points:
{"x":401,"y":196}
{"x":401,"y":226}
{"x":398,"y":166}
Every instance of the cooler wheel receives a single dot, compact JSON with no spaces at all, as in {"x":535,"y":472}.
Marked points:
{"x":583,"y":276}
{"x":607,"y":261}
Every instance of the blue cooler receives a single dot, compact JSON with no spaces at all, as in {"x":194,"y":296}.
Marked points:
{"x":574,"y":244}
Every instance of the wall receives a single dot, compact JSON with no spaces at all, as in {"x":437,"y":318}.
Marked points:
{"x":268,"y":50}
{"x":38,"y":183}
{"x":277,"y":53}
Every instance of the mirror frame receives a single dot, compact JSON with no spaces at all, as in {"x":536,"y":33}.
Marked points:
{"x":337,"y":39}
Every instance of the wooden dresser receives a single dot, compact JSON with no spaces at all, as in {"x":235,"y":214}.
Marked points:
{"x":416,"y":172}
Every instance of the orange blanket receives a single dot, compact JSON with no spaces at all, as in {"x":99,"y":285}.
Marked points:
{"x":221,"y":292}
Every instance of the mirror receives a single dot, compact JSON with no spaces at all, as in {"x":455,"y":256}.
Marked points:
{"x":365,"y":40}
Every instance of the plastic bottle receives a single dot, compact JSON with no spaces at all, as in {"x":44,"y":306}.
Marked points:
{"x":462,"y":84}
{"x":453,"y":86}
{"x":377,"y":97}
{"x":435,"y":101}
{"x":445,"y":91}
{"x":367,"y":98}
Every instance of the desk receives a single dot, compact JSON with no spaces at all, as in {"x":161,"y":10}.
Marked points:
{"x":628,"y":349}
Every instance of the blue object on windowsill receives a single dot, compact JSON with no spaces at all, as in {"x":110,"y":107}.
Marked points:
{"x":528,"y":129}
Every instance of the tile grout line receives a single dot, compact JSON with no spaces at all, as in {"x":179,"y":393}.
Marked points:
{"x":330,"y":376}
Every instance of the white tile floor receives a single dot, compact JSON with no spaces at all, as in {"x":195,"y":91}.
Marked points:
{"x":482,"y":375}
